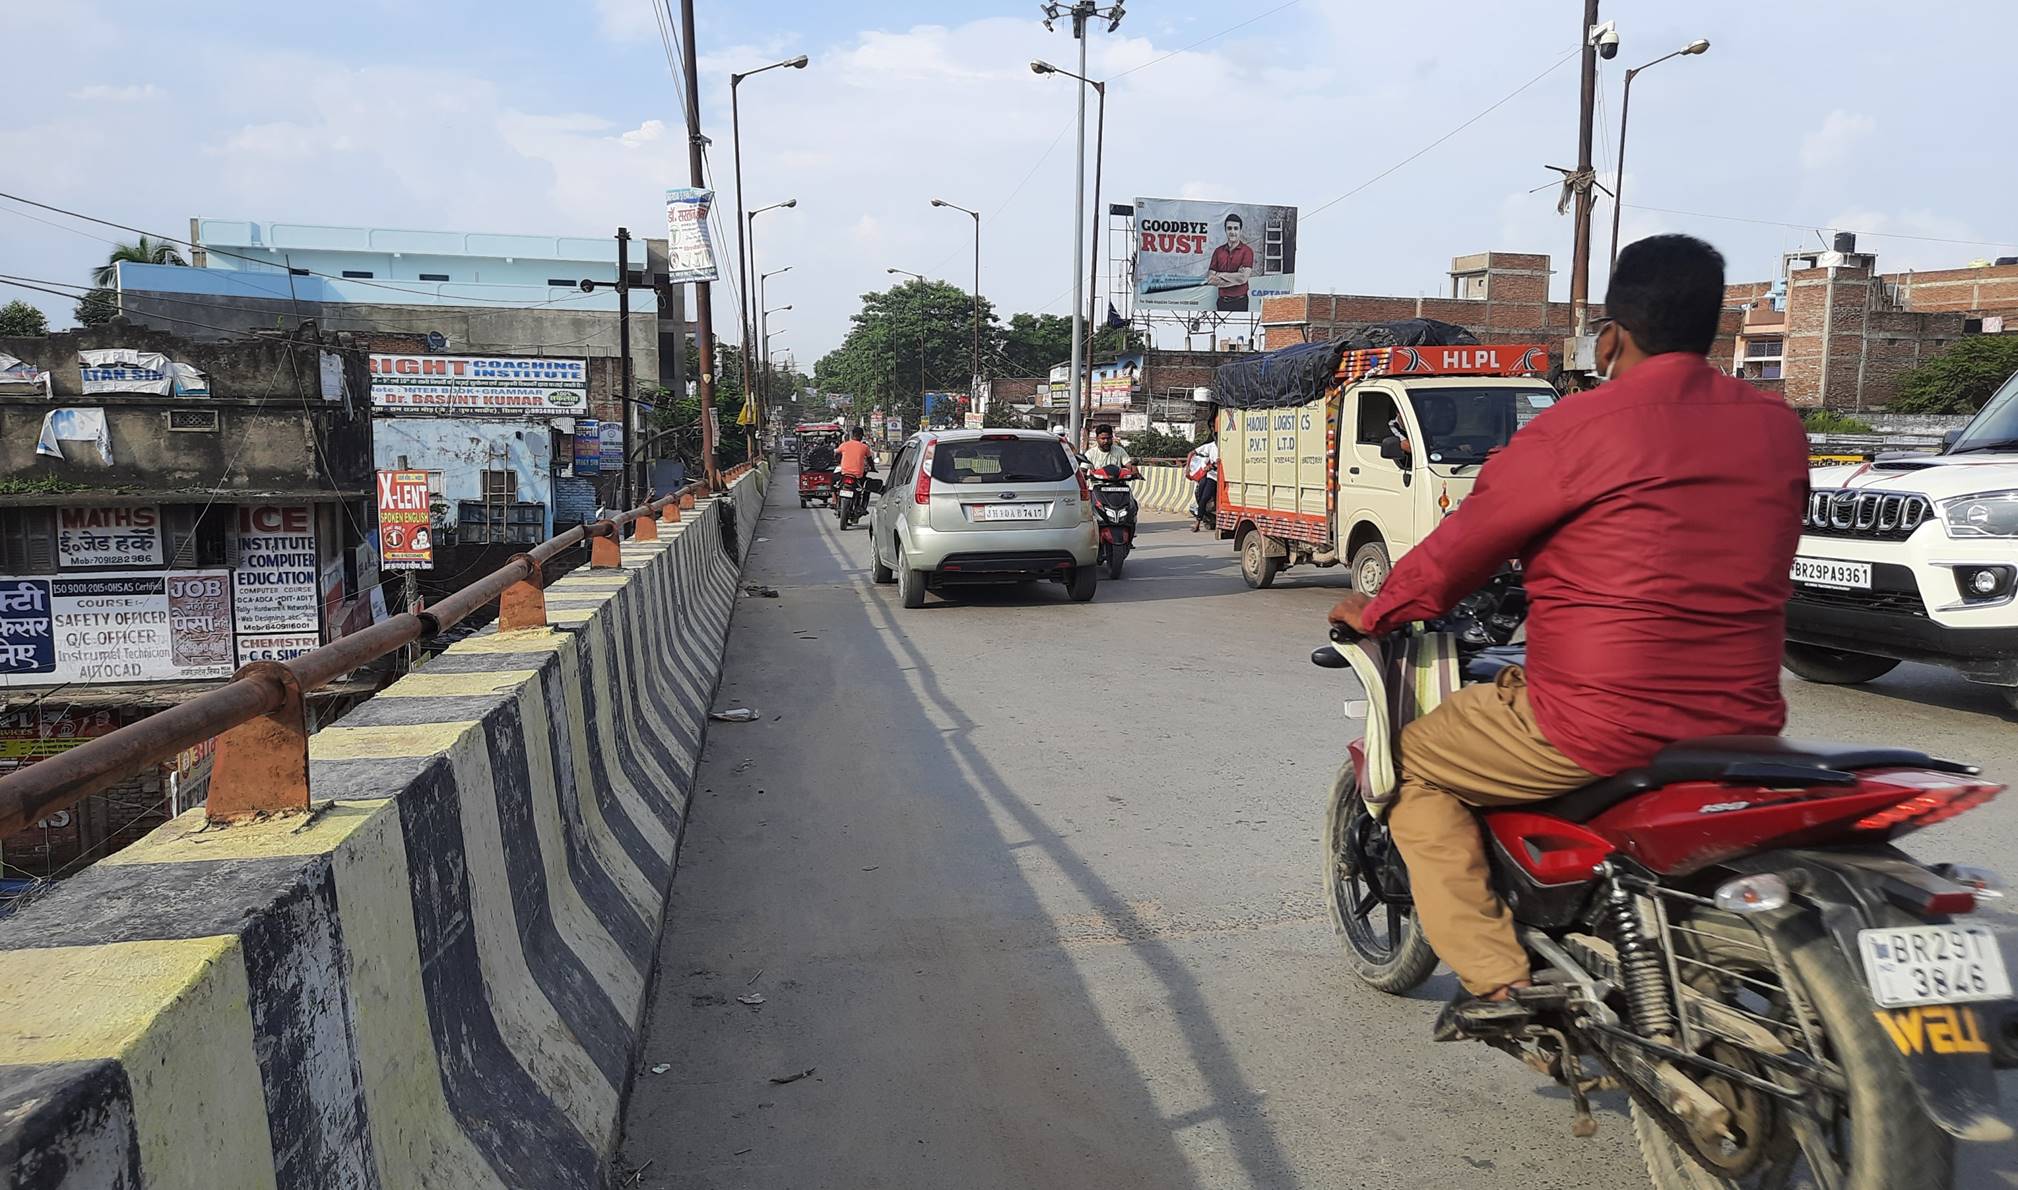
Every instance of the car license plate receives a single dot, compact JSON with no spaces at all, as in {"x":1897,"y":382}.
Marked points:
{"x":1009,"y":512}
{"x":1933,"y":965}
{"x":1828,"y":572}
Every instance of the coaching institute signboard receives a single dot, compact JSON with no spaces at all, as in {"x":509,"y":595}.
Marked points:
{"x":481,"y":384}
{"x":120,"y":627}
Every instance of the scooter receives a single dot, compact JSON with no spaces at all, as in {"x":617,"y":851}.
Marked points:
{"x":1728,"y":934}
{"x":1115,"y":507}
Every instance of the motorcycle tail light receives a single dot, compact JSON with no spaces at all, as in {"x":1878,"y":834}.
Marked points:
{"x":1928,"y":808}
{"x":922,"y":494}
{"x":1987,"y":885}
{"x":1753,"y":894}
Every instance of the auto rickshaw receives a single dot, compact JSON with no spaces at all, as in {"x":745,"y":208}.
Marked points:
{"x":817,"y":460}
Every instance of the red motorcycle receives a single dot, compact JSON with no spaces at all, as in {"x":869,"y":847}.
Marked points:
{"x":1730,"y":936}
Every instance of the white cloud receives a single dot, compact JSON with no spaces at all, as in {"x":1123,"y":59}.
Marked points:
{"x":1836,"y":140}
{"x":107,"y":93}
{"x":644,"y":134}
{"x":626,"y":20}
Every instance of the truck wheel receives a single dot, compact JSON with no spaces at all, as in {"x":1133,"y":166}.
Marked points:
{"x":1834,"y":667}
{"x":1370,"y":567}
{"x":1255,"y":564}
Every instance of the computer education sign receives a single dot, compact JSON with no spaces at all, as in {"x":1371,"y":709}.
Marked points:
{"x":480,"y":384}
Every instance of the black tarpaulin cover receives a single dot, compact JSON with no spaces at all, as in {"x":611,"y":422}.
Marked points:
{"x":1300,"y":373}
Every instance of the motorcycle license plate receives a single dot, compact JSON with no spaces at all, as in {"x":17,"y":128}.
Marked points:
{"x":1828,"y":572}
{"x":1008,"y":512}
{"x":1933,"y":965}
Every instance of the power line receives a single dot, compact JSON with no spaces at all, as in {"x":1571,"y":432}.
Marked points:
{"x":1201,"y":41}
{"x":1884,"y":235}
{"x":1501,"y":102}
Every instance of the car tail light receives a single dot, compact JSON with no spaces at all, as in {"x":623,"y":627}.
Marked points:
{"x":923,"y":492}
{"x":1085,"y":492}
{"x":1926,"y":809}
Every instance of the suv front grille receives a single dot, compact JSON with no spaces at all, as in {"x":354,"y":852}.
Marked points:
{"x":1886,"y":516}
{"x":1899,"y":603}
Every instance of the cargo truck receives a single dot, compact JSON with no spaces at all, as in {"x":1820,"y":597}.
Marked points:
{"x":1356,"y":462}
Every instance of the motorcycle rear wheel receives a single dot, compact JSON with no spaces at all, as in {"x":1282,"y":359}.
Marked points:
{"x":1117,"y":556}
{"x":1879,"y":1139}
{"x":1384,"y":944}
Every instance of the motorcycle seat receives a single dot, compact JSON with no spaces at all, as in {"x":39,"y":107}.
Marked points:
{"x":1743,"y":760}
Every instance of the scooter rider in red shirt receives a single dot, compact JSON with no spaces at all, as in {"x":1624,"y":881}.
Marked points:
{"x":1656,"y":518}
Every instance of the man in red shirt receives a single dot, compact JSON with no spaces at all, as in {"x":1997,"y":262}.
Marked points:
{"x":1656,"y":518}
{"x":1231,"y":266}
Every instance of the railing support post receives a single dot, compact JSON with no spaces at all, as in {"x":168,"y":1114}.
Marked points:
{"x":604,"y":552}
{"x":670,"y":514}
{"x":524,"y":603}
{"x":644,"y":529}
{"x":261,"y":766}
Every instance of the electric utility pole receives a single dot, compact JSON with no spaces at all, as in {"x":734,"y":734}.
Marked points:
{"x":625,"y":404}
{"x":704,"y":309}
{"x":1580,"y":255}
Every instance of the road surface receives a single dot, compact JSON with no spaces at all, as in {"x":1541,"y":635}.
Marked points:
{"x":1031,"y":889}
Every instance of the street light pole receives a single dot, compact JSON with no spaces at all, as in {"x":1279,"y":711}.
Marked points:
{"x":1698,"y":46}
{"x":1083,"y":409}
{"x":974,"y":386}
{"x":1580,"y":251}
{"x":764,"y":375}
{"x":1082,"y":11}
{"x":756,"y":348}
{"x":743,"y":261}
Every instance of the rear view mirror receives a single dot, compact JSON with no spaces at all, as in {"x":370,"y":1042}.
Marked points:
{"x":1950,"y":437}
{"x":1394,"y":449}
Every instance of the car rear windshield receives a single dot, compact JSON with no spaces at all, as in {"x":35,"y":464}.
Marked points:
{"x":1001,"y":460}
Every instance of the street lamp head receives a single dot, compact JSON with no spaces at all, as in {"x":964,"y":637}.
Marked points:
{"x":790,"y":202}
{"x":893,"y":272}
{"x":799,"y":63}
{"x":938,"y":202}
{"x":1040,"y":66}
{"x":1699,"y":46}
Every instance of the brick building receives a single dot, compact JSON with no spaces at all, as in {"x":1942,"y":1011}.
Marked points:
{"x":1834,"y":332}
{"x":1499,"y":296}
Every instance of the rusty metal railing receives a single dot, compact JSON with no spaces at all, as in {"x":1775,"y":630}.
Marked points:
{"x":261,"y":764}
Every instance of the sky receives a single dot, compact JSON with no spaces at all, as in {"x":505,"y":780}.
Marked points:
{"x":562,"y":117}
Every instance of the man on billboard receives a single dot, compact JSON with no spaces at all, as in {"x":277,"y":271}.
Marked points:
{"x":1232,"y":266}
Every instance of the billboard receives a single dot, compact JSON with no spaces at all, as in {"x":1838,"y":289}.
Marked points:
{"x":405,"y":540}
{"x":275,"y":594}
{"x":690,"y":251}
{"x":118,"y":627}
{"x":1212,"y":256}
{"x":509,"y":385}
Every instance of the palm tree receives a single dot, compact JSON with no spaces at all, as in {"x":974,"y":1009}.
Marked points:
{"x":146,"y":251}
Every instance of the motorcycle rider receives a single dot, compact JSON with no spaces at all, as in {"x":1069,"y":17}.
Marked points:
{"x":1656,"y":517}
{"x":857,"y":460}
{"x":1105,"y":452}
{"x":1202,"y":469}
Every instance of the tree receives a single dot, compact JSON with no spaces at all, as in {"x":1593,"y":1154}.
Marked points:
{"x":97,"y":308}
{"x":1959,"y":379}
{"x":1034,"y":343}
{"x":20,"y":319}
{"x":144,"y":251}
{"x":907,"y":340}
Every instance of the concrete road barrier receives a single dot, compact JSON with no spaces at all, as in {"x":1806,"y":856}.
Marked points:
{"x":438,"y":977}
{"x":1165,"y":489}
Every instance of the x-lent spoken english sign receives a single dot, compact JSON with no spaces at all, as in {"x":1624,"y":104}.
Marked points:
{"x":516,"y":385}
{"x":405,"y":537}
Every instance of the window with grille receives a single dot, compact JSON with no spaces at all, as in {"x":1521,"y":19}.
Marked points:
{"x":1764,"y":357}
{"x":195,"y":535}
{"x":499,"y":487}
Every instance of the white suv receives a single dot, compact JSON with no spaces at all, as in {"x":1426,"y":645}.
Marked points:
{"x":1914,"y":558}
{"x":983,"y":506}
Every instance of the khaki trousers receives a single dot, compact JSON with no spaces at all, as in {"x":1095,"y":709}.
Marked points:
{"x":1480,"y":747}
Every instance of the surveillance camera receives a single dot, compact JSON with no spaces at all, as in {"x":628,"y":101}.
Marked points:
{"x":1606,"y":38}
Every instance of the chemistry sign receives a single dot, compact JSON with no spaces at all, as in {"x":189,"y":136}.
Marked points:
{"x":509,"y":385}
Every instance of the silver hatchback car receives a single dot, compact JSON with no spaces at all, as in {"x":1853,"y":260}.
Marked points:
{"x":983,"y":506}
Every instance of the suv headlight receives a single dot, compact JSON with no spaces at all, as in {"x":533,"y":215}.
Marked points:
{"x":1986,"y":514}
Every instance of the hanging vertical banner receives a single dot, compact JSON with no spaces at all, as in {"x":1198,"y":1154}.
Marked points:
{"x":690,"y":251}
{"x":588,"y":446}
{"x":405,"y":539}
{"x":275,"y":596}
{"x":611,"y":434}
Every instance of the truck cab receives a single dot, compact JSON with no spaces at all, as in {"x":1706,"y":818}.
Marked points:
{"x":1914,"y":557}
{"x":1363,"y":472}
